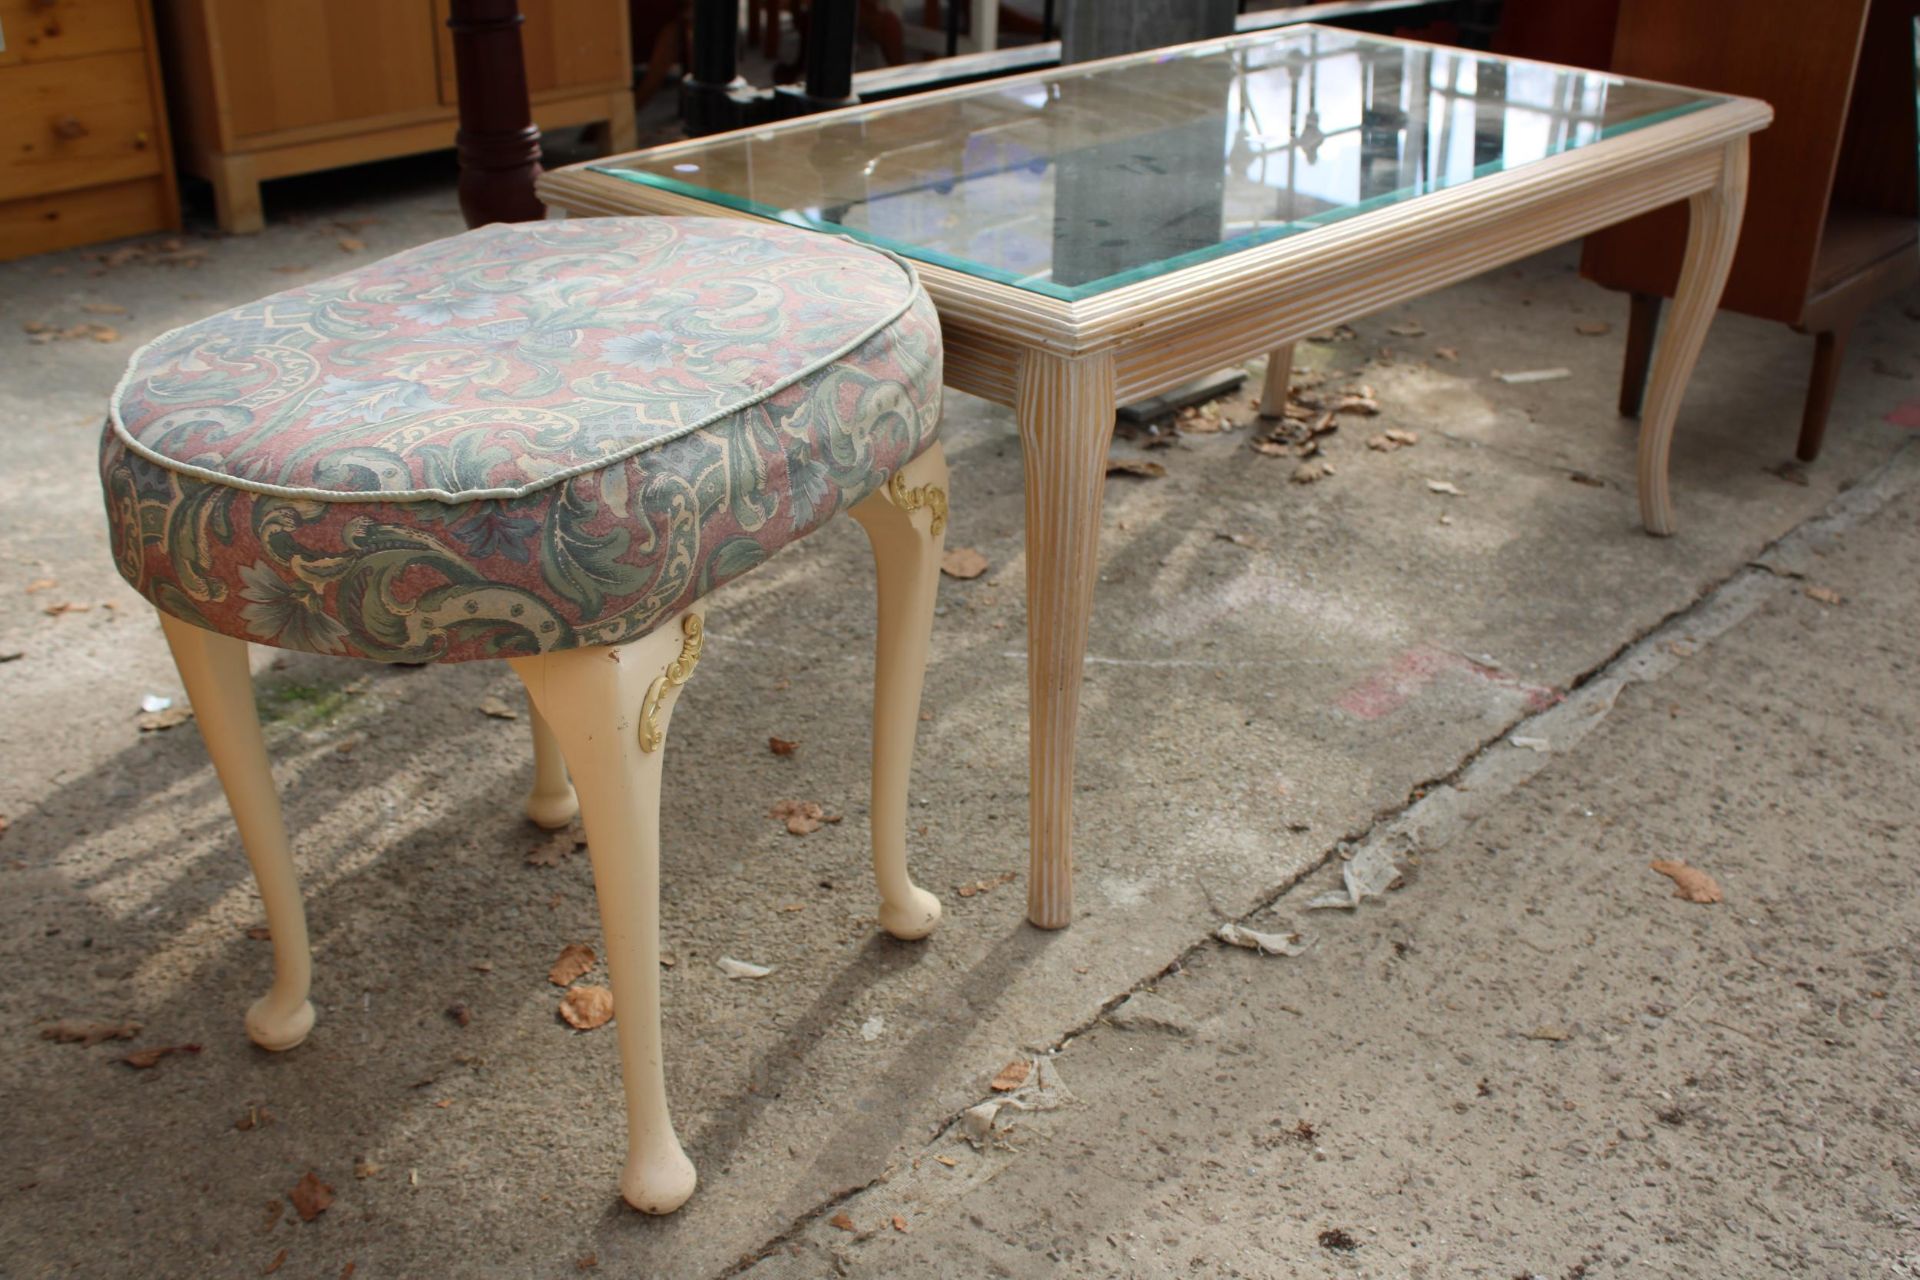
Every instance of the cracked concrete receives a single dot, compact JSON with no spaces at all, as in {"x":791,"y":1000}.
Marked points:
{"x":1250,"y":710}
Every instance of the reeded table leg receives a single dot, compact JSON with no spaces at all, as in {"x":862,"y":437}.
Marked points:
{"x":552,"y":802}
{"x":1065,"y":407}
{"x":1713,"y":230}
{"x":907,"y":524}
{"x":1273,"y":393}
{"x":609,"y":709}
{"x":214,"y":670}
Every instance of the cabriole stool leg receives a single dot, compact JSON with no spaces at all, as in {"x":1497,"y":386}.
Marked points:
{"x":609,"y":709}
{"x":214,"y":670}
{"x":907,"y":524}
{"x":552,"y":802}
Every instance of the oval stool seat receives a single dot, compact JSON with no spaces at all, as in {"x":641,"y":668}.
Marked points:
{"x":526,"y":438}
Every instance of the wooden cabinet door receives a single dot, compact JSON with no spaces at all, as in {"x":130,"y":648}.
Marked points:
{"x":569,"y":44}
{"x":296,"y":64}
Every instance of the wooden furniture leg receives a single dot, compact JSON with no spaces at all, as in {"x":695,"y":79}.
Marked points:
{"x":1065,"y":408}
{"x":552,"y":803}
{"x":498,"y":142}
{"x":907,"y":524}
{"x":1829,"y":353}
{"x":610,"y":708}
{"x":219,"y":686}
{"x":1713,"y":229}
{"x":236,"y":195}
{"x":1273,"y":392}
{"x":1643,"y":322}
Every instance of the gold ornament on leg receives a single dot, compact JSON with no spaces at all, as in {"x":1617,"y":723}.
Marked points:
{"x":678,"y":672}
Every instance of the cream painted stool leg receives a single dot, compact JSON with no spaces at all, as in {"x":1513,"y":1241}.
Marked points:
{"x":609,"y":708}
{"x":1713,"y":231}
{"x":907,"y":524}
{"x":1273,"y":393}
{"x":1065,"y":407}
{"x":552,"y":802}
{"x":214,"y":670}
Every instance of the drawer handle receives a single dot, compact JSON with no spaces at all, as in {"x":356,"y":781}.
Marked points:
{"x":67,"y":128}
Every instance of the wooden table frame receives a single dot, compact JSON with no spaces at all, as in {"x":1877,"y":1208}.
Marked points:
{"x":1064,"y":366}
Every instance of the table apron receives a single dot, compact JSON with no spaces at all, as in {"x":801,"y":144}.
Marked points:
{"x":1172,"y":347}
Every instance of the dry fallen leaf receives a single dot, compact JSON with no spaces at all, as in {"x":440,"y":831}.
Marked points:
{"x":146,"y":1059}
{"x":499,"y":710}
{"x":310,"y":1196}
{"x":1592,"y":328}
{"x":65,"y":606}
{"x":963,"y":563}
{"x":351,"y":244}
{"x":1407,"y":329}
{"x":1690,"y":883}
{"x":1271,"y":449}
{"x":1444,"y":486}
{"x":260,"y":933}
{"x":279,"y":1260}
{"x":899,"y":1224}
{"x":948,"y":1161}
{"x":1825,"y":595}
{"x":1012,"y":1076}
{"x":1393,"y":438}
{"x":783,"y":746}
{"x":585,"y":1008}
{"x":1145,"y":468}
{"x":164,"y":719}
{"x":842,"y":1221}
{"x":556,"y":849}
{"x":364,"y":1169}
{"x":1446,"y":353}
{"x":803,"y":817}
{"x":88,"y":1034}
{"x":41,"y":584}
{"x":1309,"y":472}
{"x":461,"y":1014}
{"x":985,"y":886}
{"x":576,"y":958}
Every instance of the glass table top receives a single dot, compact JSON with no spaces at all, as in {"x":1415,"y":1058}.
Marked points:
{"x":1094,"y":177}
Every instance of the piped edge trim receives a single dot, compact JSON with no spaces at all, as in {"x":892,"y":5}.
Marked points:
{"x":915,"y":292}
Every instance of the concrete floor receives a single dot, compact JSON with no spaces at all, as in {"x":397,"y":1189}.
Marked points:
{"x":1254,"y":707}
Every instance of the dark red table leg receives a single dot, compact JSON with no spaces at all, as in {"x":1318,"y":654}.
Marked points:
{"x":498,"y":142}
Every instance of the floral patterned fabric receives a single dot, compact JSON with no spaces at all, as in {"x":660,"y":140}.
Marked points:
{"x":520,"y":439}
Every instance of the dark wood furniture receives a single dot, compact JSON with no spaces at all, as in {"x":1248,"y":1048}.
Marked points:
{"x":1833,"y":210}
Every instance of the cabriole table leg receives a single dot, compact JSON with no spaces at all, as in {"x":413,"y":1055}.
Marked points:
{"x":1713,"y":230}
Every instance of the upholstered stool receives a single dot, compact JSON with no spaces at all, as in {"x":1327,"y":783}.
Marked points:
{"x":546,"y":444}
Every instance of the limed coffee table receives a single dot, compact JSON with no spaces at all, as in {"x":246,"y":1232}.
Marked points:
{"x":1096,"y":234}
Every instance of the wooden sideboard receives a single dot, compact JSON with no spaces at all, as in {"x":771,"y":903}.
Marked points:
{"x":266,"y":88}
{"x":83,"y":126}
{"x":1833,"y":207}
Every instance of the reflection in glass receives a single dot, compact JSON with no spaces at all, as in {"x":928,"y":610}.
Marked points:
{"x":1096,"y":177}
